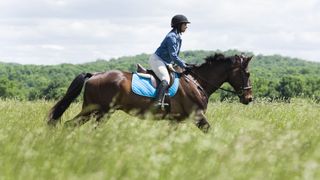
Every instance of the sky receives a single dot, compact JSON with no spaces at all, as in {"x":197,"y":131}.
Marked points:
{"x":79,"y":31}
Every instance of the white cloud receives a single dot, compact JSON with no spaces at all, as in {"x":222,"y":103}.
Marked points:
{"x":76,"y":31}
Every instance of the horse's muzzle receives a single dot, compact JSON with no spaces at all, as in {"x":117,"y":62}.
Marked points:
{"x":246,"y":99}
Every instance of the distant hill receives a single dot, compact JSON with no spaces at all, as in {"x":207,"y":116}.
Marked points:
{"x":272,"y":76}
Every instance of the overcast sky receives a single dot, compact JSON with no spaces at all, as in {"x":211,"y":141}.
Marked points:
{"x":77,"y":31}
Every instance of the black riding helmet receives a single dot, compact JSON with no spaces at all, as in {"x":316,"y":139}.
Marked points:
{"x":178,"y":19}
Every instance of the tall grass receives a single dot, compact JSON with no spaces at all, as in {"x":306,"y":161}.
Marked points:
{"x":259,"y":141}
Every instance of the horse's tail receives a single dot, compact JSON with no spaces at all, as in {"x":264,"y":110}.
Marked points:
{"x":72,"y":93}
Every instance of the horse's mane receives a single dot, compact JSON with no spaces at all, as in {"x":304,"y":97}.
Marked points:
{"x":217,"y":57}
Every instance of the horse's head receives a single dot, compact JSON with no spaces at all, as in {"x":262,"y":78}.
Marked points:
{"x":239,"y":77}
{"x":219,"y":69}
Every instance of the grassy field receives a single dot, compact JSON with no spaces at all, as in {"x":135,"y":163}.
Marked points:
{"x":259,"y":141}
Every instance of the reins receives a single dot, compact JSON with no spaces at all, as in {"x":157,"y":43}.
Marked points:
{"x":202,"y":79}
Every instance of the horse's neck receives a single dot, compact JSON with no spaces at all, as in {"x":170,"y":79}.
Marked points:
{"x":210,"y":79}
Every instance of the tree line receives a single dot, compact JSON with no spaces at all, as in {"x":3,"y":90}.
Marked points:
{"x":273,"y":77}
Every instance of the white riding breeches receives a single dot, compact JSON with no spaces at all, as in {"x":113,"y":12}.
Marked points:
{"x":159,"y":68}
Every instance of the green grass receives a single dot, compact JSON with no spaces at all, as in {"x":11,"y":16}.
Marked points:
{"x":259,"y":141}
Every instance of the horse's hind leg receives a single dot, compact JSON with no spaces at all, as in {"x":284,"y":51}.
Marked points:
{"x":201,"y":121}
{"x":104,"y":114}
{"x":77,"y":121}
{"x":81,"y":118}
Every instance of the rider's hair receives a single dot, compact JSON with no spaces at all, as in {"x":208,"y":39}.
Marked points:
{"x":178,"y":27}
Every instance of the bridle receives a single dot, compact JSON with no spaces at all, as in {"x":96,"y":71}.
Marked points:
{"x":243,"y":88}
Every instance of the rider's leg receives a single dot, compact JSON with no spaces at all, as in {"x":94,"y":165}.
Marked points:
{"x":161,"y":91}
{"x":160,"y":69}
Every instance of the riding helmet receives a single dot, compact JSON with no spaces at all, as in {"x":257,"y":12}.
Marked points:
{"x":178,"y":19}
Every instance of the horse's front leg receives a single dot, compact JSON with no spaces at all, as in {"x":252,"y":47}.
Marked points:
{"x":201,"y":121}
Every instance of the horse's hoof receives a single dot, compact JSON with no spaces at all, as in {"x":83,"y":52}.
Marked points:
{"x":69,"y":125}
{"x":205,"y":128}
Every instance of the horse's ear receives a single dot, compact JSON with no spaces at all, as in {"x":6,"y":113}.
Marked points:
{"x":248,"y":59}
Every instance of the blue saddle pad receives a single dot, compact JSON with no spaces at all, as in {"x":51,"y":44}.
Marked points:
{"x":143,"y":87}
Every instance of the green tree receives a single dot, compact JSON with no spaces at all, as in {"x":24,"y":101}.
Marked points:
{"x":54,"y":90}
{"x":289,"y":87}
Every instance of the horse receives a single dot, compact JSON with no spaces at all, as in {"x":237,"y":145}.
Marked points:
{"x":105,"y":92}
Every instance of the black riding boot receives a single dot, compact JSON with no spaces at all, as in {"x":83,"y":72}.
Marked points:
{"x":161,"y":91}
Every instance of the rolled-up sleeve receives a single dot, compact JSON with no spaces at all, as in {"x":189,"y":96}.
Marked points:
{"x":173,"y":49}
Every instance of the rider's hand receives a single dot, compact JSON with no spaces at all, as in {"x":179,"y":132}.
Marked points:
{"x":170,"y":67}
{"x":188,"y":69}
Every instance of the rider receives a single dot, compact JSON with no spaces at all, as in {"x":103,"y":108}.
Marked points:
{"x":168,"y":53}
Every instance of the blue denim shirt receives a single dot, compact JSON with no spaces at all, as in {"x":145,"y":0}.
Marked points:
{"x":170,"y":48}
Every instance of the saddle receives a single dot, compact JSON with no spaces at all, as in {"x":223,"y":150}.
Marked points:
{"x":144,"y":82}
{"x":147,"y":73}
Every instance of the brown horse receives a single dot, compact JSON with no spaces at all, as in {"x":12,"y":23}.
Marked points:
{"x":109,"y":91}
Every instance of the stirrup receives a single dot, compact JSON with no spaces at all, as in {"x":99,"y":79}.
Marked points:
{"x":161,"y":103}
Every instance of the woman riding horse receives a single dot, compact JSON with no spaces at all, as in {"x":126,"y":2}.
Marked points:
{"x":108,"y":91}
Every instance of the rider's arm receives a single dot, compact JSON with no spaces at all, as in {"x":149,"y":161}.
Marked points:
{"x":173,"y":48}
